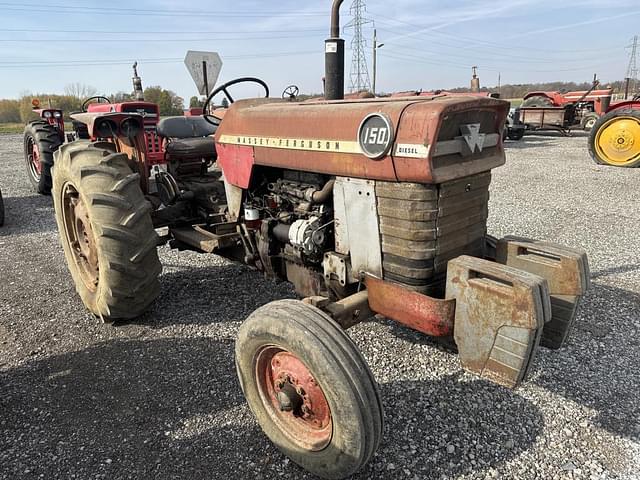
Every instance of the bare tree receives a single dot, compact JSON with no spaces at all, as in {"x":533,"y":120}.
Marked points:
{"x":80,"y":90}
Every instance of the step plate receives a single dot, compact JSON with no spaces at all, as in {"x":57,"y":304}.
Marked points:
{"x":500,"y":314}
{"x":566,"y":271}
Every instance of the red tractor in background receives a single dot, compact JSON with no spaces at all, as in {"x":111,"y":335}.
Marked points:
{"x":367,"y":206}
{"x":615,"y":138}
{"x":564,"y":111}
{"x":41,"y":139}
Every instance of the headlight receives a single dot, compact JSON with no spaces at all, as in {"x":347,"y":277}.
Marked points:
{"x":57,"y":114}
{"x":105,"y":129}
{"x":130,"y":127}
{"x":47,"y":115}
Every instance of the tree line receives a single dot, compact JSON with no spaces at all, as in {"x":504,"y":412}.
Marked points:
{"x":21,"y":110}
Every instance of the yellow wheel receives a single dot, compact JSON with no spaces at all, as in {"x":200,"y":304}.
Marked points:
{"x":615,"y":139}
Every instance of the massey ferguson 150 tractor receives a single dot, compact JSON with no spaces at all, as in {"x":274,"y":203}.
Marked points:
{"x":368,"y":206}
{"x":615,"y":138}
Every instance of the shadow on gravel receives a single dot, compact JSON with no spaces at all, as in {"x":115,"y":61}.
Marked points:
{"x":172,"y":408}
{"x":446,"y":428}
{"x":23,"y":215}
{"x":599,"y":366}
{"x":216,"y":294}
{"x":128,"y":409}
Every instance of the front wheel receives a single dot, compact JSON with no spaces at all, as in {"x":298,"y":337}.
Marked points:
{"x":106,"y":231}
{"x":615,"y":139}
{"x":309,"y":388}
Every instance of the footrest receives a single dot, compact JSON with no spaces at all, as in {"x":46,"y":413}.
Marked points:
{"x":566,"y":271}
{"x":499,"y":317}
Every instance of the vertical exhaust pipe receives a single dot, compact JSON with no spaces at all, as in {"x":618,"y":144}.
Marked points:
{"x":334,"y":57}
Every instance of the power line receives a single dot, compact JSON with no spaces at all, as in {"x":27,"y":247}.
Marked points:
{"x":154,"y":40}
{"x":139,"y":32}
{"x":84,"y":63}
{"x":111,"y":11}
{"x":360,"y":80}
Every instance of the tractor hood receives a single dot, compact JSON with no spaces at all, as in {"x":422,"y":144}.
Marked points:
{"x":417,"y":139}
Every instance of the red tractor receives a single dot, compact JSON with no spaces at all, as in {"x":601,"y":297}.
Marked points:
{"x":41,"y":139}
{"x":615,"y":138}
{"x":564,"y":111}
{"x":370,"y":206}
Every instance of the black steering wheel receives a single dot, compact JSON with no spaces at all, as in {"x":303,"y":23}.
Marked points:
{"x":291,"y":92}
{"x":212,"y":119}
{"x":86,"y":103}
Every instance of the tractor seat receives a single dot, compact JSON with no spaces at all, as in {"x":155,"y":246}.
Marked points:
{"x":202,"y":147}
{"x":188,"y":137}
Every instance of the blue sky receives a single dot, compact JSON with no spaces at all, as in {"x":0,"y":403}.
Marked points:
{"x":47,"y":45}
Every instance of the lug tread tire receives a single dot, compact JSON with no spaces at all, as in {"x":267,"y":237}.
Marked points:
{"x":121,"y":221}
{"x":635,"y":113}
{"x":48,"y":140}
{"x":298,"y":322}
{"x":1,"y":210}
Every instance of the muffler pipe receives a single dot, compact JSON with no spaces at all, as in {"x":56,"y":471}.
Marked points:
{"x":334,"y":57}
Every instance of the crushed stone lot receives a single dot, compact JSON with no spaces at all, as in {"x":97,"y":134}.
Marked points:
{"x":158,"y":398}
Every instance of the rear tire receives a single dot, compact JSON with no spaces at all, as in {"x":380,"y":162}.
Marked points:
{"x":615,"y":139}
{"x":516,"y":135}
{"x":106,"y":231}
{"x":41,"y":140}
{"x":537,"y":101}
{"x":291,"y":336}
{"x":1,"y":210}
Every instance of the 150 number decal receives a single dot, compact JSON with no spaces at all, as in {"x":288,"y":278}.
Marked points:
{"x":376,"y":136}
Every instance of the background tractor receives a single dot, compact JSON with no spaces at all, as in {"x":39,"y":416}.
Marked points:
{"x":615,"y":138}
{"x":41,"y":139}
{"x":564,"y":111}
{"x":370,"y":206}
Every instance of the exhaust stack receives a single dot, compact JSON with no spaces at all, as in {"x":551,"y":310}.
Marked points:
{"x":334,"y":57}
{"x":138,"y":92}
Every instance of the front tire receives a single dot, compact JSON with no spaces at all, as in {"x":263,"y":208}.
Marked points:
{"x":106,"y":231}
{"x":588,"y":121}
{"x":615,"y":139}
{"x":309,"y":388}
{"x":41,"y":140}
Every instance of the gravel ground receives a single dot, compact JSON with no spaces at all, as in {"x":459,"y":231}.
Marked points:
{"x":158,"y":398}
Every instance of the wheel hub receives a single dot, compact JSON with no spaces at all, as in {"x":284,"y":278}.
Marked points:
{"x":33,"y":155}
{"x":293,"y":398}
{"x":618,"y":141}
{"x":81,"y":238}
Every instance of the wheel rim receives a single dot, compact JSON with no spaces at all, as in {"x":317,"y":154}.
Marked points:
{"x":618,"y":141}
{"x":590,"y":123}
{"x":33,"y":159}
{"x":293,"y":399}
{"x":80,"y":237}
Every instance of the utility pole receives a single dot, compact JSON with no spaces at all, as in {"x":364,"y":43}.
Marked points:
{"x":631,"y":78}
{"x":360,"y":80}
{"x":376,"y":46}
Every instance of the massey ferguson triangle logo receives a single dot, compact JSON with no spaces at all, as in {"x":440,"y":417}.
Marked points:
{"x":473,"y":138}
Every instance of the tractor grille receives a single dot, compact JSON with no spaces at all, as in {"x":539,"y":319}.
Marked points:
{"x":424,"y":226}
{"x":154,"y":142}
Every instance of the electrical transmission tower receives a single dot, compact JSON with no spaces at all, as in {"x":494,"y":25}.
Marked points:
{"x":360,"y":80}
{"x":632,"y":70}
